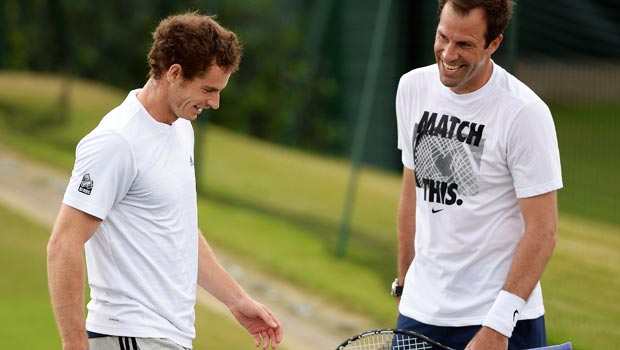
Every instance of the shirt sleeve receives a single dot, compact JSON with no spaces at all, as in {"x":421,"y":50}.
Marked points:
{"x":533,"y":152}
{"x":404,"y":122}
{"x":103,"y":173}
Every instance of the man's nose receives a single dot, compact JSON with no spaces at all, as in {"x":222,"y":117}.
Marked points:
{"x":214,"y":101}
{"x":449,"y":52}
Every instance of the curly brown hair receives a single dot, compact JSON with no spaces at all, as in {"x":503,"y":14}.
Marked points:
{"x":497,"y":13}
{"x":195,"y":42}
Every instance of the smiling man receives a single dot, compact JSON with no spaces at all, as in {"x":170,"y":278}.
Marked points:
{"x":131,"y":204}
{"x":478,"y":211}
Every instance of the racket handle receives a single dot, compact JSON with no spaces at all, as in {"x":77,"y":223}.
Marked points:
{"x":565,"y":346}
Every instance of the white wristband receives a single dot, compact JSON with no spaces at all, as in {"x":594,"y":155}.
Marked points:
{"x":504,"y":313}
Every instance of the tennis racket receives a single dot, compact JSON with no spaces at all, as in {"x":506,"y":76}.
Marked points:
{"x":390,"y":339}
{"x":399,"y":339}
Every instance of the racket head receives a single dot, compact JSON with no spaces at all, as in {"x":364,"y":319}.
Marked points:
{"x":391,"y":339}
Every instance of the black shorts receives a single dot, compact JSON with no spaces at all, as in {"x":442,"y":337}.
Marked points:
{"x":527,"y":333}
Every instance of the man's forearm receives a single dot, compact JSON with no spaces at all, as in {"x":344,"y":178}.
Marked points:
{"x":405,"y":254}
{"x":215,"y":279}
{"x":65,"y":269}
{"x":536,"y":246}
{"x":406,"y":224}
{"x":530,"y":260}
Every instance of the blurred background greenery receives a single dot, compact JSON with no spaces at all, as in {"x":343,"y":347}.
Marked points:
{"x":276,"y":158}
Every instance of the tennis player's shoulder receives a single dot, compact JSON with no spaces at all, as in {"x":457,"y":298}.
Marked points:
{"x":514,"y":88}
{"x":116,"y":131}
{"x":420,"y":75}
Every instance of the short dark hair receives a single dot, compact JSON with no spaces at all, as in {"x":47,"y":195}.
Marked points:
{"x":497,"y":13}
{"x":195,"y":42}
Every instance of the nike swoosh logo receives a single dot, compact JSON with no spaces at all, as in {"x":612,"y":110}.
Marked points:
{"x":514,"y":315}
{"x":436,"y":210}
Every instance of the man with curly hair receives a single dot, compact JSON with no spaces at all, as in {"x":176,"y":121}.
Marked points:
{"x":131,"y":203}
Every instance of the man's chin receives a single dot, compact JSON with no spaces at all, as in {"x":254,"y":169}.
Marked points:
{"x":448,"y":82}
{"x":190,"y":117}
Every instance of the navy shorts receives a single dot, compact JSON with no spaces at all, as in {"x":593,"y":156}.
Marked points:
{"x":527,"y":333}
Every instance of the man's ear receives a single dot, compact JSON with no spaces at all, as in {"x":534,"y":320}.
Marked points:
{"x":174,"y":72}
{"x":494,"y":44}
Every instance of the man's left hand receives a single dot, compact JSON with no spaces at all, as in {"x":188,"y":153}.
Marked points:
{"x":260,"y":322}
{"x":488,"y":339}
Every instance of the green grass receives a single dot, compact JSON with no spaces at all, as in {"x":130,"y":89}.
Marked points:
{"x":280,"y":209}
{"x":589,"y":144}
{"x":581,"y":285}
{"x":307,"y":192}
{"x":26,"y":320}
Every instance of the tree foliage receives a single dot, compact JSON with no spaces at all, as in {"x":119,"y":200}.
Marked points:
{"x":108,"y":41}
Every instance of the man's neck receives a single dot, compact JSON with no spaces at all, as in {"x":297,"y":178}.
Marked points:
{"x":154,"y":99}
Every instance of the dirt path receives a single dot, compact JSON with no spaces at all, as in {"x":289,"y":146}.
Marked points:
{"x":36,"y":190}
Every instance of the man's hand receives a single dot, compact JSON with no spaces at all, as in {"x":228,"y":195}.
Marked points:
{"x":259,"y":321}
{"x":488,"y":339}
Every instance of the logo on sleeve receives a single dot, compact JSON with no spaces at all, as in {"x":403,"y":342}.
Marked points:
{"x":86,"y":186}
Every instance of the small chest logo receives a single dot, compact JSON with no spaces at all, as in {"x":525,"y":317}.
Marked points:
{"x":191,"y":161}
{"x":86,"y":186}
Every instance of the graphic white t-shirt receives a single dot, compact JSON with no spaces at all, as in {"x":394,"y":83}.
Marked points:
{"x":137,"y":175}
{"x":473,"y":155}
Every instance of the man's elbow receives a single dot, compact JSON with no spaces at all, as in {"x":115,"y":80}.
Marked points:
{"x":551,"y":236}
{"x":54,"y":249}
{"x":59,"y":248}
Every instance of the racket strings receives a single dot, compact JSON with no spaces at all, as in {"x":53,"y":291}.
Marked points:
{"x":446,"y":160}
{"x":388,"y":341}
{"x":405,"y":342}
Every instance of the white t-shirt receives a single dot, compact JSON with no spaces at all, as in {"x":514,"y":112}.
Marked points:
{"x":473,"y":155}
{"x":137,"y":175}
